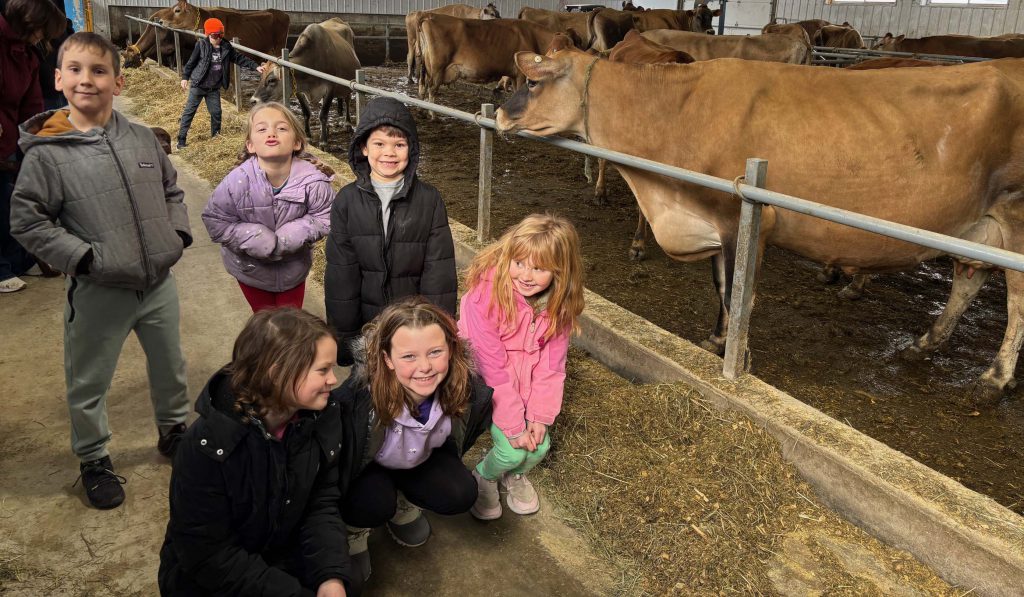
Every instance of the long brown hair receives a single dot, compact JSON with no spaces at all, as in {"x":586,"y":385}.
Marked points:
{"x":389,"y":397}
{"x":271,"y":356}
{"x":300,"y":135}
{"x":25,"y":17}
{"x":549,"y":241}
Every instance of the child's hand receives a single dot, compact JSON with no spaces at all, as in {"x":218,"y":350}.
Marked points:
{"x":184,"y":84}
{"x":331,"y":588}
{"x":524,"y":442}
{"x":536,"y":431}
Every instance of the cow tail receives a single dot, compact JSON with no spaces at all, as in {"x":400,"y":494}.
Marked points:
{"x":809,"y":60}
{"x":426,"y":55}
{"x":592,"y":30}
{"x":520,"y":15}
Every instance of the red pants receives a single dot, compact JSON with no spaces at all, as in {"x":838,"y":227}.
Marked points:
{"x":263,"y":299}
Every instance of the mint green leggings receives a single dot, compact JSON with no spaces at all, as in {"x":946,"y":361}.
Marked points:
{"x":503,"y":458}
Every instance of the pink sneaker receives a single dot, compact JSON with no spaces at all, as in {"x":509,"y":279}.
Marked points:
{"x":522,"y":497}
{"x":488,"y":502}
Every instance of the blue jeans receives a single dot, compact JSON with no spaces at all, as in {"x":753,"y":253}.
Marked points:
{"x":14,"y":259}
{"x":195,"y":95}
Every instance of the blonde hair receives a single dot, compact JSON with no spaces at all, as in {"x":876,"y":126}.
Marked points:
{"x":297,"y":127}
{"x":389,"y":396}
{"x":551,"y":243}
{"x":272,"y":354}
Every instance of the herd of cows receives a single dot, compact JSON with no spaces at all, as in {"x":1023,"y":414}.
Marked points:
{"x":936,"y":148}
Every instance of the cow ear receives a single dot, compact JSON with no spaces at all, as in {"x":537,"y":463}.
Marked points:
{"x":901,"y":38}
{"x":537,"y":67}
{"x":887,"y":36}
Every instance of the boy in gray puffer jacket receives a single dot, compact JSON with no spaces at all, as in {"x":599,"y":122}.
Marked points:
{"x":98,"y":199}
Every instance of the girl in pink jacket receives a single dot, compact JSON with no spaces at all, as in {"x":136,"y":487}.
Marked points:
{"x":525,"y":293}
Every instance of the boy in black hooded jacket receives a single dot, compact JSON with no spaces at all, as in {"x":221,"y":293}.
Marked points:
{"x":389,"y":229}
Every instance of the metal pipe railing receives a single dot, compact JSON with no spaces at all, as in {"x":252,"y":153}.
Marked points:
{"x":826,"y":51}
{"x":753,"y":197}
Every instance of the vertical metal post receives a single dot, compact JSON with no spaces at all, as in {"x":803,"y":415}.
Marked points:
{"x":744,"y":275}
{"x":236,"y":80}
{"x":483,"y":214}
{"x":286,"y":79}
{"x":159,"y":50}
{"x":130,"y":42}
{"x":773,"y":12}
{"x":721,"y":19}
{"x":387,"y":43}
{"x":360,"y":96}
{"x":177,"y":53}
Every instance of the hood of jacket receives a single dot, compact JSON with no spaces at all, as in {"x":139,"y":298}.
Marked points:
{"x":378,"y":112}
{"x":55,"y":127}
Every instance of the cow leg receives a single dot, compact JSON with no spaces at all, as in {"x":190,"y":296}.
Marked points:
{"x":325,"y":111}
{"x":999,"y":376}
{"x":855,"y":289}
{"x":829,"y":274}
{"x":722,"y":267}
{"x":600,"y":192}
{"x":638,"y":250}
{"x":965,"y":288}
{"x":587,"y":170}
{"x":306,"y":114}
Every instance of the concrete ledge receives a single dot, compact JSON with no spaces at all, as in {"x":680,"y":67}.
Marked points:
{"x":967,"y":538}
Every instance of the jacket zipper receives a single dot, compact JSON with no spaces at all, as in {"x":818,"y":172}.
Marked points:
{"x":383,"y":245}
{"x":131,"y":202}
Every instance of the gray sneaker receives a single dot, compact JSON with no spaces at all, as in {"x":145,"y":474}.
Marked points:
{"x":409,"y":526}
{"x":358,"y":551}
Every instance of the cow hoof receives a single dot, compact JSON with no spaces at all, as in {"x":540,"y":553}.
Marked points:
{"x":828,"y":276}
{"x":851,"y":294}
{"x":914,"y":353}
{"x":637,"y":255}
{"x":985,"y":393}
{"x":713,"y":347}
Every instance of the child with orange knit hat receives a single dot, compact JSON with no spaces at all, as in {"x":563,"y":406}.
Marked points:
{"x":206,"y":72}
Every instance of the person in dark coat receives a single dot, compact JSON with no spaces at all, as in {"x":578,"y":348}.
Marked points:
{"x":389,"y":228}
{"x":23,"y":23}
{"x":254,"y":490}
{"x":411,"y":409}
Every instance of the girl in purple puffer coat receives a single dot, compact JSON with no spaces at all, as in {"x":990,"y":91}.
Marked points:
{"x":270,"y":209}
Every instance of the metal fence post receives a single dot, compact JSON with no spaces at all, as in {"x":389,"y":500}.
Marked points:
{"x":159,"y":50}
{"x":177,"y":53}
{"x":742,"y":300}
{"x":360,"y":96}
{"x":286,"y":80}
{"x":130,"y":42}
{"x":387,"y":43}
{"x":483,"y":214}
{"x":236,"y":80}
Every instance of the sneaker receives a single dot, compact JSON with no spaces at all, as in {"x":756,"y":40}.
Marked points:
{"x":359,"y":551}
{"x":522,"y":497}
{"x":12,"y":285}
{"x":488,"y":502}
{"x":181,"y":144}
{"x":35,"y":270}
{"x":168,"y":442}
{"x":409,"y":527}
{"x":102,"y":485}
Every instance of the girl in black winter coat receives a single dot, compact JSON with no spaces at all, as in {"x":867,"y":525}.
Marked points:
{"x":410,"y":409}
{"x":254,"y":490}
{"x":389,"y":228}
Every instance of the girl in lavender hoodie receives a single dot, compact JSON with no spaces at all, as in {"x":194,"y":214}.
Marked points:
{"x":270,"y":209}
{"x":524,"y":294}
{"x":410,"y":410}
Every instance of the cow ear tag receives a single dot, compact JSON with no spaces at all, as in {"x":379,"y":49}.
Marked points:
{"x":538,"y":58}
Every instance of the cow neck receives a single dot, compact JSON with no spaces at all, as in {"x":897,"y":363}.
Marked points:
{"x":584,"y":101}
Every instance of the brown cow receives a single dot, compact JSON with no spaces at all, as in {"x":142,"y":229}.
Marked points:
{"x":811,"y":26}
{"x":609,"y":27}
{"x":893,"y":62}
{"x":838,"y":36}
{"x":580,"y":22}
{"x":263,"y":30}
{"x":628,"y":6}
{"x":954,"y":45}
{"x":896,"y":136}
{"x":327,"y":47}
{"x":412,"y":21}
{"x":473,"y":50}
{"x":770,"y":47}
{"x":697,"y":20}
{"x":793,"y":30}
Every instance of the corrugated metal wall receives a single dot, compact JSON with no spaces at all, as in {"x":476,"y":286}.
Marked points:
{"x":909,"y":17}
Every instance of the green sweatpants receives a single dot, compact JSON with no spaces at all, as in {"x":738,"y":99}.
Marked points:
{"x":503,"y":458}
{"x":97,"y":320}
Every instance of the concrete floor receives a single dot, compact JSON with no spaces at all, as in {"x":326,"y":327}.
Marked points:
{"x":51,"y":542}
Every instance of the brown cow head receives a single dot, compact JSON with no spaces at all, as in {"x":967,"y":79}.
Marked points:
{"x":163,"y":137}
{"x":489,"y":12}
{"x":700,"y":19}
{"x":561,"y":41}
{"x":550,"y":101}
{"x":269,"y":88}
{"x":132,"y":57}
{"x":887,"y":41}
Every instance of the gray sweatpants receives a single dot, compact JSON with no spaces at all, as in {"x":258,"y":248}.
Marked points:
{"x":97,"y":320}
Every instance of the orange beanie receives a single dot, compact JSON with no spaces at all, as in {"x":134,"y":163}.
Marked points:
{"x":213,"y":26}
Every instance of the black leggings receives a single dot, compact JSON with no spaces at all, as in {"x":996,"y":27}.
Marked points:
{"x":441,"y":484}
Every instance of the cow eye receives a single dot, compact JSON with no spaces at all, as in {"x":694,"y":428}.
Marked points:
{"x":531,"y":83}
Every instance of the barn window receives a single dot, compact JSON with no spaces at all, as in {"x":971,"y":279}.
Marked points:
{"x":860,"y":1}
{"x":972,"y":2}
